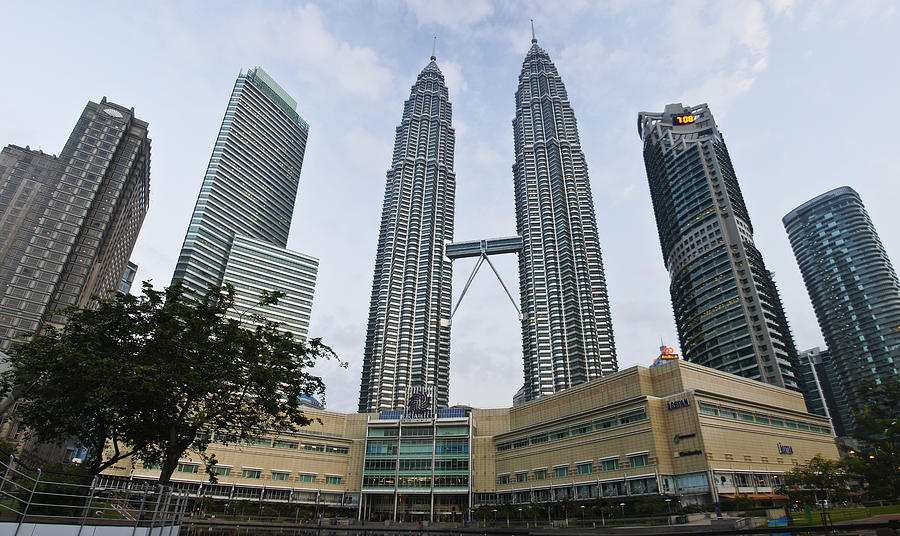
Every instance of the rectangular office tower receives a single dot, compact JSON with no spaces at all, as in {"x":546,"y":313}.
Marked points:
{"x":567,"y":336}
{"x":853,"y":288}
{"x":239,"y":228}
{"x":820,"y":387}
{"x":408,"y":334}
{"x":68,"y":223}
{"x":727,"y":309}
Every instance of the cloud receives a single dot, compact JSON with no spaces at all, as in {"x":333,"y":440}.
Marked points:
{"x":485,"y":155}
{"x":456,"y":82}
{"x":454,"y":14}
{"x":301,"y":36}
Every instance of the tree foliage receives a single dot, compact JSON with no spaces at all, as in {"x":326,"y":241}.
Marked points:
{"x":820,"y":478}
{"x":156,"y":375}
{"x":876,"y":463}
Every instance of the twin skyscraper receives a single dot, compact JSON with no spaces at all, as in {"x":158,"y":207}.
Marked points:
{"x":566,"y":330}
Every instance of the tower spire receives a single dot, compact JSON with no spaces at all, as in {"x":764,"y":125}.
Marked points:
{"x":434,"y":49}
{"x":533,"y":38}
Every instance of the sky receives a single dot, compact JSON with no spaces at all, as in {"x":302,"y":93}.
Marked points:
{"x":799,"y":89}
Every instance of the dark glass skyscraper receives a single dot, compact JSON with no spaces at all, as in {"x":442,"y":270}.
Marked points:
{"x":68,"y":223}
{"x":239,"y":228}
{"x":727,"y":309}
{"x":853,"y":287}
{"x":408,"y":335}
{"x":567,"y":335}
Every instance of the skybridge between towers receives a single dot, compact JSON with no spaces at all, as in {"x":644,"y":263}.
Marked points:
{"x":483,"y":249}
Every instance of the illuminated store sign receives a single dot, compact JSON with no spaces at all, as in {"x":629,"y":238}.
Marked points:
{"x":683,"y":119}
{"x":668,"y":353}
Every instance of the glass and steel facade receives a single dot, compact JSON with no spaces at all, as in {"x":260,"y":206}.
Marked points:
{"x":821,"y":388}
{"x":853,"y":288}
{"x":255,"y":266}
{"x":416,"y":469}
{"x":567,"y":336}
{"x":68,"y":223}
{"x":251,"y":180}
{"x":408,"y":334}
{"x":128,"y":278}
{"x":239,"y":227}
{"x":727,"y":309}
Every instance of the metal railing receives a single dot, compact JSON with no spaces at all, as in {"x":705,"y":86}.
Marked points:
{"x":67,"y":498}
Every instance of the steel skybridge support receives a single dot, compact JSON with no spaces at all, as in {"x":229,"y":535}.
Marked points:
{"x":483,"y":249}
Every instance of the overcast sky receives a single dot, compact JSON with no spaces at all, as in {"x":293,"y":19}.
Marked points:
{"x":803,"y":92}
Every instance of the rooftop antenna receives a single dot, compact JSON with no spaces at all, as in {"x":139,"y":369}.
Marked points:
{"x":533,"y":38}
{"x":434,"y":49}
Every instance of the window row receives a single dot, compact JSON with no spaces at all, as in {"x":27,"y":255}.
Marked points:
{"x":602,"y":423}
{"x":581,"y":468}
{"x":761,"y":418}
{"x":246,"y":472}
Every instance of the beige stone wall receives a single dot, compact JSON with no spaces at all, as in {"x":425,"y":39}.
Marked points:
{"x":327,"y":428}
{"x":724,"y":443}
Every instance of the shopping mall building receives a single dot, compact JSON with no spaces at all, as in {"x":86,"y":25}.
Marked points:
{"x":680,"y":430}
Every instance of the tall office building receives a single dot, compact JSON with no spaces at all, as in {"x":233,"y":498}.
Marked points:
{"x":128,"y":278}
{"x":853,"y":287}
{"x":68,"y":223}
{"x":408,"y":336}
{"x":821,"y":389}
{"x":727,"y":309}
{"x":239,"y":228}
{"x":567,"y":336}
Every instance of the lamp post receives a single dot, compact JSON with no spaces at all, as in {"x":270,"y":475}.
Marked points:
{"x":495,"y":516}
{"x":582,"y":514}
{"x":668,"y":511}
{"x":622,"y":506}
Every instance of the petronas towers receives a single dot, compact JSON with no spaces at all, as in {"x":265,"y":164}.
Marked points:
{"x":566,"y":330}
{"x":408,"y":335}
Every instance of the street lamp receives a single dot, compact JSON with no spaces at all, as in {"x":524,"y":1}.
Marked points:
{"x":582,"y":514}
{"x":622,"y":505}
{"x":495,"y":515}
{"x":668,"y":511}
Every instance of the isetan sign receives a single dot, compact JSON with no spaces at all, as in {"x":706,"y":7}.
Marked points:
{"x":675,"y":404}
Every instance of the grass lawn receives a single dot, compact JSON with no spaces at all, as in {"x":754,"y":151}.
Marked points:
{"x":845,"y":514}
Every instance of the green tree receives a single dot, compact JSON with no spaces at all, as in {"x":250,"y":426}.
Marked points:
{"x":820,"y":478}
{"x":876,"y":463}
{"x":156,"y":375}
{"x":651,"y":504}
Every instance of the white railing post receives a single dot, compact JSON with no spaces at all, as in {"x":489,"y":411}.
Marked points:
{"x":155,"y":510}
{"x":87,"y":506}
{"x":30,"y":497}
{"x":140,"y":515}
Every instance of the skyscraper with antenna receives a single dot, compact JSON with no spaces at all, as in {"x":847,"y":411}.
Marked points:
{"x":407,"y":346}
{"x":567,"y":334}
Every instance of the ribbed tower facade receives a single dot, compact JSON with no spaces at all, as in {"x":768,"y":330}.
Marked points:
{"x":408,"y":336}
{"x":853,"y":288}
{"x":727,"y":309}
{"x":239,"y":227}
{"x":567,"y":334}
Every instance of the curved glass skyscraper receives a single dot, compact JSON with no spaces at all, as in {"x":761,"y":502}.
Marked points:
{"x":567,"y":334}
{"x":727,"y":309}
{"x":853,"y":288}
{"x":408,"y":334}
